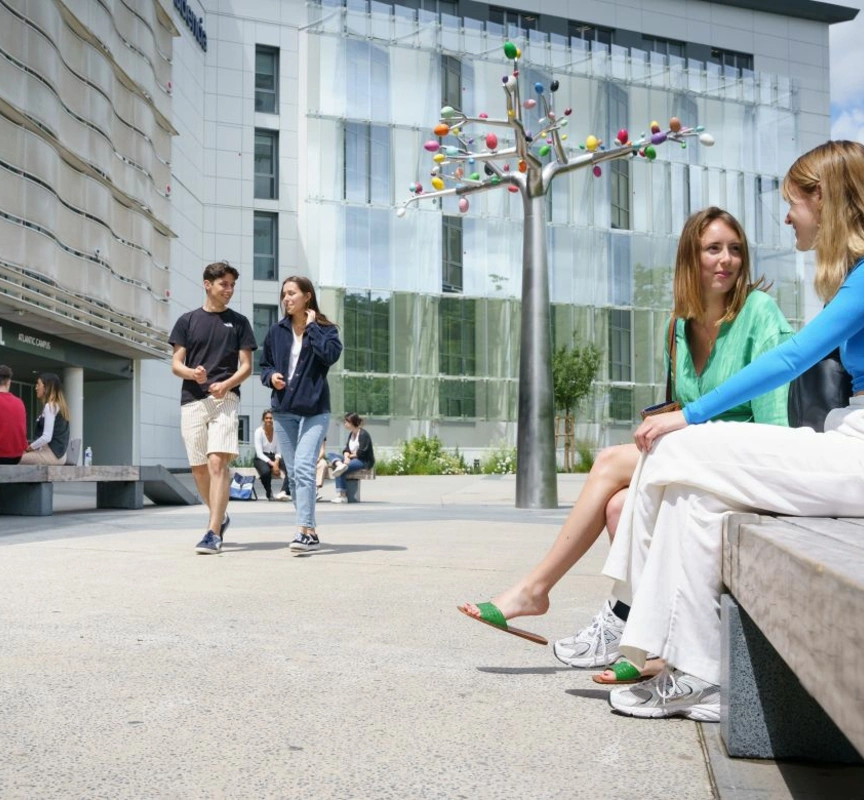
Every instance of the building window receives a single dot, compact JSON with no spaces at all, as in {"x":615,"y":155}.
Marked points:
{"x":367,"y":332}
{"x":457,"y":318}
{"x":620,"y":350}
{"x":729,"y":58}
{"x":243,"y":428}
{"x":667,"y":47}
{"x":619,"y":169}
{"x":590,"y":33}
{"x":263,"y":318}
{"x":457,"y":398}
{"x":451,"y":254}
{"x":621,"y":403}
{"x":367,"y":163}
{"x":266,"y":164}
{"x":508,"y":17}
{"x":367,"y":396}
{"x":451,"y":82}
{"x":266,"y":79}
{"x":266,"y":246}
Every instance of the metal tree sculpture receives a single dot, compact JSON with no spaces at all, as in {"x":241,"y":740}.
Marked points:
{"x":539,"y":159}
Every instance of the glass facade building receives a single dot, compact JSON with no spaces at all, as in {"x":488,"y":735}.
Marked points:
{"x":143,"y":141}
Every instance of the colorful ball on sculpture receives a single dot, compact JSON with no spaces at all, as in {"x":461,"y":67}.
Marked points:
{"x":568,"y":112}
{"x":447,"y":112}
{"x":544,"y":150}
{"x":650,"y":153}
{"x":474,"y":176}
{"x":655,"y":127}
{"x":510,"y":50}
{"x":510,"y":82}
{"x":597,"y":171}
{"x":437,"y":183}
{"x":538,"y":87}
{"x":432,"y":146}
{"x":553,"y":87}
{"x":512,"y":188}
{"x":592,"y":143}
{"x":400,"y":212}
{"x":707,"y":139}
{"x":483,"y":115}
{"x":491,"y":141}
{"x":658,"y":138}
{"x":523,"y":167}
{"x":674,"y":124}
{"x":623,"y":136}
{"x":438,"y":158}
{"x":442,"y":129}
{"x":529,"y":103}
{"x":463,"y":204}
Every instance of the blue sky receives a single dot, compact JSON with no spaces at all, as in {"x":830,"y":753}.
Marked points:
{"x":847,"y":76}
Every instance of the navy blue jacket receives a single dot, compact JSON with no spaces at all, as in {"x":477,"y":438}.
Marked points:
{"x":307,"y":393}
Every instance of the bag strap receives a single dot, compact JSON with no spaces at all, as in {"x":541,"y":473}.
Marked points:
{"x":670,"y":370}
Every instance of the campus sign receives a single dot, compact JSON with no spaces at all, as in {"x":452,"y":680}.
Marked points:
{"x":195,"y":24}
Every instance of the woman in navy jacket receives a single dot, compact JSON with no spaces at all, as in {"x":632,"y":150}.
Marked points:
{"x":297,"y":354}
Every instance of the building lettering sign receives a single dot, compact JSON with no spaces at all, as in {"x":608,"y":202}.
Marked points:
{"x":195,"y":24}
{"x":17,"y":339}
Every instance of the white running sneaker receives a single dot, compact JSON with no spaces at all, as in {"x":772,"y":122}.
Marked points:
{"x":340,"y":469}
{"x":598,"y":645}
{"x":340,"y":498}
{"x":671,"y":694}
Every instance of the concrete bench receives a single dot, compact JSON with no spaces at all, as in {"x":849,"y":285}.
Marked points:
{"x":352,"y":485}
{"x":793,"y":637}
{"x":28,"y":490}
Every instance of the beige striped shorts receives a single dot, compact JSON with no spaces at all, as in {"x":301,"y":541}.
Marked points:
{"x":209,"y":426}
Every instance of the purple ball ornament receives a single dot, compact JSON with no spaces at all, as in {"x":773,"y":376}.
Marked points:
{"x":432,"y":146}
{"x":658,"y":138}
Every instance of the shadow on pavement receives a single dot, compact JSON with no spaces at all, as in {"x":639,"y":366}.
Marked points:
{"x":326,"y":549}
{"x":523,"y":670}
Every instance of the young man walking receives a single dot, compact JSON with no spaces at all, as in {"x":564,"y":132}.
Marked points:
{"x":213,"y":355}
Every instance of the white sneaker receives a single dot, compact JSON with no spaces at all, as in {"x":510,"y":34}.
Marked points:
{"x":598,"y":645}
{"x":283,"y":496}
{"x":340,"y":469}
{"x":339,"y":499}
{"x":671,"y":694}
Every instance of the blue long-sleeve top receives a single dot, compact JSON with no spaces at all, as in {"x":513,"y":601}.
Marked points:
{"x":839,"y":324}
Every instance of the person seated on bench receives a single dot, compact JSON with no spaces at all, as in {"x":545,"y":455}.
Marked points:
{"x":52,"y":428}
{"x":267,"y":461}
{"x":356,"y":455}
{"x":321,"y":470}
{"x":13,"y":421}
{"x":691,"y":475}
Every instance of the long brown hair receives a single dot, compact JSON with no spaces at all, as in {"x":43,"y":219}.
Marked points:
{"x":54,"y":393}
{"x":689,"y":299}
{"x":305,"y":286}
{"x":836,"y":170}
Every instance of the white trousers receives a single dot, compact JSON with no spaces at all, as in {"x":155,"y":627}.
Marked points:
{"x":666,"y":557}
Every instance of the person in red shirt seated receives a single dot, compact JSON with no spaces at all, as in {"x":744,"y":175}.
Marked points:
{"x":13,"y":421}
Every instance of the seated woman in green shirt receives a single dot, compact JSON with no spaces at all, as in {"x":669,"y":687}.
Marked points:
{"x":723,"y":322}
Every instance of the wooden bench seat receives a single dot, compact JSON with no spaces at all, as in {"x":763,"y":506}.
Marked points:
{"x":28,"y":490}
{"x":793,"y":635}
{"x":352,"y":485}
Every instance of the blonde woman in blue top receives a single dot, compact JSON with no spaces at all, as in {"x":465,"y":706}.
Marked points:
{"x":666,"y":554}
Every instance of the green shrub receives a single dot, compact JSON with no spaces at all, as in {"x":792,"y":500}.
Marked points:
{"x":586,"y":456}
{"x":422,"y":456}
{"x":501,"y":461}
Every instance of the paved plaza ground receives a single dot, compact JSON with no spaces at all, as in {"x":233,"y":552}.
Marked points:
{"x":132,"y":668}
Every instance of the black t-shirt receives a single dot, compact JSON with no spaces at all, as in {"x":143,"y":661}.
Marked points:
{"x":212,"y":340}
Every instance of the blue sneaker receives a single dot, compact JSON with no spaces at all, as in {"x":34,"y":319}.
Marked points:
{"x":210,"y":544}
{"x":224,"y":527}
{"x":304,"y":543}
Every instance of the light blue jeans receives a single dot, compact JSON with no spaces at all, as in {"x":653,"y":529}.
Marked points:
{"x":354,"y":465}
{"x":300,"y":441}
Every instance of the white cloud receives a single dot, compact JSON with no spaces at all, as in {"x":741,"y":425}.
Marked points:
{"x":849,"y":124}
{"x":847,"y":66}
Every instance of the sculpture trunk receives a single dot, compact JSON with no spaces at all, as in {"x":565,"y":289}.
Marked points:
{"x":536,"y":474}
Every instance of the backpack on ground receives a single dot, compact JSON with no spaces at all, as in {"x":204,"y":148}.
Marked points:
{"x":242,"y":487}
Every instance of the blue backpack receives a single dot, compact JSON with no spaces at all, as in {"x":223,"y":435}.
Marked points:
{"x":242,"y":487}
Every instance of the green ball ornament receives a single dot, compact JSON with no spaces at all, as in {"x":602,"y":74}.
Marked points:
{"x":509,"y":49}
{"x":650,"y":153}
